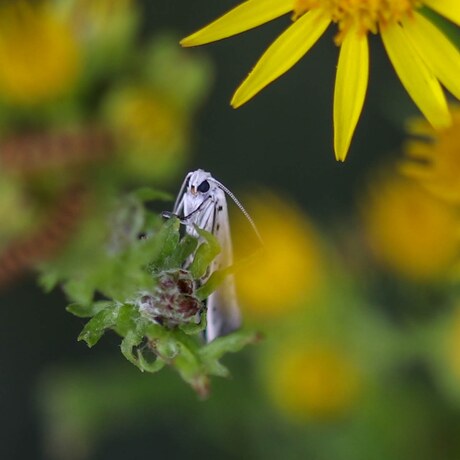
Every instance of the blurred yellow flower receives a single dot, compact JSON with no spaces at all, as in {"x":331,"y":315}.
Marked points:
{"x":147,"y":119}
{"x":421,"y":54}
{"x":152,"y":131}
{"x":39,"y":56}
{"x":97,"y":16}
{"x":313,"y":381}
{"x":288,"y":271}
{"x":409,"y":230}
{"x":103,"y":25}
{"x":433,"y":157}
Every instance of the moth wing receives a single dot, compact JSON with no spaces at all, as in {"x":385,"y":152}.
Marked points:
{"x":223,"y":313}
{"x":181,"y":196}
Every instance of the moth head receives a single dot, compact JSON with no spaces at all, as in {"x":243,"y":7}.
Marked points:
{"x":199,"y":182}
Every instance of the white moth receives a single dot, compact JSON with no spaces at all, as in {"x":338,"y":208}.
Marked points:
{"x":201,"y":201}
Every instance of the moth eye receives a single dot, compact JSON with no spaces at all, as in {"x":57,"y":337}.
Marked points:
{"x":203,"y":187}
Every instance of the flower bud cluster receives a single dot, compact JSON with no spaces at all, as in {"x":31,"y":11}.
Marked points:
{"x":172,"y":302}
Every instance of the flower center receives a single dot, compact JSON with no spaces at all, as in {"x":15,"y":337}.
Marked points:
{"x":361,"y":15}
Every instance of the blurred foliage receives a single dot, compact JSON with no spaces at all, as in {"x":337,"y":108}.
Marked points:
{"x":78,"y":129}
{"x":154,"y":304}
{"x":71,"y":155}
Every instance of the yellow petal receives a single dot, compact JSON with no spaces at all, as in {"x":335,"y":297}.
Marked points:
{"x":245,"y":16}
{"x":415,"y":76}
{"x":447,"y":8}
{"x":285,"y":51}
{"x":350,"y":90}
{"x":439,"y":54}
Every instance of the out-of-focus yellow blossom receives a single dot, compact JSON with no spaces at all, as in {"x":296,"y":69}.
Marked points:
{"x":421,"y":54}
{"x":287,"y":272}
{"x":97,"y":18}
{"x":39,"y":55}
{"x":151,"y":129}
{"x":313,"y":380}
{"x":106,"y":29}
{"x":434,"y":157}
{"x":148,"y":120}
{"x":409,"y":230}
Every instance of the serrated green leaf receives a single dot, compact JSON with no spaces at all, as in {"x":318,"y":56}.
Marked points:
{"x":214,"y":281}
{"x":205,"y":254}
{"x":132,"y":339}
{"x":184,"y":249}
{"x":150,"y":194}
{"x":165,"y":242}
{"x":87,"y":311}
{"x":95,"y":328}
{"x":230,"y":343}
{"x":188,"y":362}
{"x":128,"y":319}
{"x":48,"y":280}
{"x":212,"y":352}
{"x":79,"y":291}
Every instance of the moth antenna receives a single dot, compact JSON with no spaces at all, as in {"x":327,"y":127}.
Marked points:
{"x":181,"y":192}
{"x":241,"y":208}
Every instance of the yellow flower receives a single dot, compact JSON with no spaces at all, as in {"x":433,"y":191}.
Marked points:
{"x":288,"y":271}
{"x":313,"y":381}
{"x":39,"y":56}
{"x":421,"y":55}
{"x":409,"y":230}
{"x":102,"y":25}
{"x":151,"y":130}
{"x":433,"y":157}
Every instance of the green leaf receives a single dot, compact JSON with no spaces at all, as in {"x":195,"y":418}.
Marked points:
{"x":166,"y":241}
{"x":87,"y":311}
{"x":212,"y":352}
{"x":214,"y":367}
{"x":188,"y":362}
{"x":214,"y":281}
{"x":150,"y":366}
{"x":184,"y":249}
{"x":79,"y":290}
{"x":230,"y":343}
{"x":132,"y":339}
{"x":128,"y":319}
{"x":205,"y":254}
{"x":95,"y":328}
{"x":48,"y":280}
{"x":193,"y":329}
{"x":168,"y":347}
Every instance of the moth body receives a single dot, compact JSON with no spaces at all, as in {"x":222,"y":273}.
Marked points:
{"x":202,"y":202}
